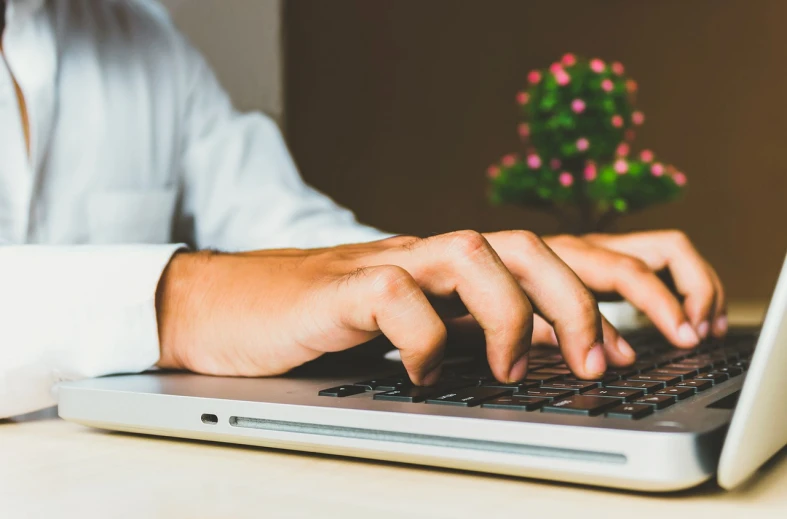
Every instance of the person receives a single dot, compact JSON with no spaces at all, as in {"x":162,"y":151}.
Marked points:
{"x":118,"y":148}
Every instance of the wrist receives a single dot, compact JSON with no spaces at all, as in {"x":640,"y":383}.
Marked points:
{"x":178,"y":287}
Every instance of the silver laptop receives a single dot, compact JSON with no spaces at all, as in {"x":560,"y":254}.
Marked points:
{"x":672,"y":421}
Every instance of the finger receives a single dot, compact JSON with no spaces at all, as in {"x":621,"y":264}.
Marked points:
{"x":543,"y":333}
{"x":463,"y":264}
{"x":610,"y":271}
{"x":694,"y":278}
{"x":387,"y":299}
{"x":617,"y":349}
{"x":720,"y":325}
{"x":561,"y":298}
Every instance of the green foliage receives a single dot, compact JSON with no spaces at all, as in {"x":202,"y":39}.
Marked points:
{"x":578,"y":123}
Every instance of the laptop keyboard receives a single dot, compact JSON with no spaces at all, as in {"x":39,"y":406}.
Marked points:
{"x":663,"y":376}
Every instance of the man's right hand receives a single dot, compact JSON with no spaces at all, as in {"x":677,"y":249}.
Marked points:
{"x":266,"y":312}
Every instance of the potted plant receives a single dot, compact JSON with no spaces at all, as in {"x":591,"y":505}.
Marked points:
{"x":578,"y":126}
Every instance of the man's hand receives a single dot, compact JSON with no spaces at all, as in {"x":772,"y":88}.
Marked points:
{"x":627,"y":264}
{"x":266,"y":312}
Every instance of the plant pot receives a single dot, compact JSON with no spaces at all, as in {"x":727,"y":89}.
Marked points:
{"x":623,"y":315}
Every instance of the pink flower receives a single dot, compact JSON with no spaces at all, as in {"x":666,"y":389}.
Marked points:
{"x":596,"y":65}
{"x":646,"y":156}
{"x":509,"y":160}
{"x":562,"y":77}
{"x":555,"y":164}
{"x":631,"y":86}
{"x":493,"y":172}
{"x":638,"y":118}
{"x":679,"y":178}
{"x":657,"y":169}
{"x":569,"y":60}
{"x":630,"y":135}
{"x":578,"y":106}
{"x":617,"y":121}
{"x":555,"y":67}
{"x":607,"y":85}
{"x":623,"y":150}
{"x":583,"y":144}
{"x":534,"y":76}
{"x":524,"y":130}
{"x":522,"y":98}
{"x":590,"y":171}
{"x":621,"y":166}
{"x":534,"y":161}
{"x":617,"y":68}
{"x":566,"y":179}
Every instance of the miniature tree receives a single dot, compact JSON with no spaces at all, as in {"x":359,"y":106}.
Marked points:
{"x":578,"y":127}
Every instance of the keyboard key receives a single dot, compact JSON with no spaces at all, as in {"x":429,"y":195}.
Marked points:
{"x":670,"y":380}
{"x":730,"y":370}
{"x":683,"y":370}
{"x":643,"y":365}
{"x":630,"y":411}
{"x":541,"y":378}
{"x":552,"y":371}
{"x":698,"y":365}
{"x":551,"y":394}
{"x":599,"y":381}
{"x":657,"y":401}
{"x":682,"y":373}
{"x":668,"y":357}
{"x":468,"y":397}
{"x":699,"y":385}
{"x":741,"y":364}
{"x":418,"y":393}
{"x":713,"y":376}
{"x":516,"y":402}
{"x":646,"y":386}
{"x":516,"y":387}
{"x":678,"y":392}
{"x":384,"y":384}
{"x":341,"y":391}
{"x":581,"y":404}
{"x":621,"y":372}
{"x":626,"y":395}
{"x":577,"y":387}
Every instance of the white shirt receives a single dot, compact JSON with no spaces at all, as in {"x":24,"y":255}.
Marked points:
{"x":134,"y":150}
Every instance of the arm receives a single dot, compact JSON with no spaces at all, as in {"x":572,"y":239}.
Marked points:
{"x":74,"y":312}
{"x":242,"y":189}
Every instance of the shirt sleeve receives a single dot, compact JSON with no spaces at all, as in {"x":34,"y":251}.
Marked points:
{"x":74,"y":312}
{"x":242,"y":189}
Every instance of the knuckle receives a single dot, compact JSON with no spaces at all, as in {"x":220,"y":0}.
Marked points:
{"x":390,"y":281}
{"x":633,"y":266}
{"x":678,"y":237}
{"x":467,"y":243}
{"x":528,"y":240}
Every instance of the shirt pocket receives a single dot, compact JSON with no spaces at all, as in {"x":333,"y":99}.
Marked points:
{"x":131,"y":216}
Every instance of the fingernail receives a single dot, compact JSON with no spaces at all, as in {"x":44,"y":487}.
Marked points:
{"x":687,"y":335}
{"x":519,"y":369}
{"x":702,"y":329}
{"x":625,"y":349}
{"x":595,"y":363}
{"x":433,"y":376}
{"x":720,"y":325}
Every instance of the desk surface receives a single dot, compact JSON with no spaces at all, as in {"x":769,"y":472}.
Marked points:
{"x":53,"y":468}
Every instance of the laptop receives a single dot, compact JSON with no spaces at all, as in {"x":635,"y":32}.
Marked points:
{"x":675,"y":419}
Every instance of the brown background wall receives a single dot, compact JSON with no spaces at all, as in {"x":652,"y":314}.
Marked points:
{"x":397,"y":108}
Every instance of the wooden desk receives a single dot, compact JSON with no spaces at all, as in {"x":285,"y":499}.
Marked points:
{"x":51,"y":468}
